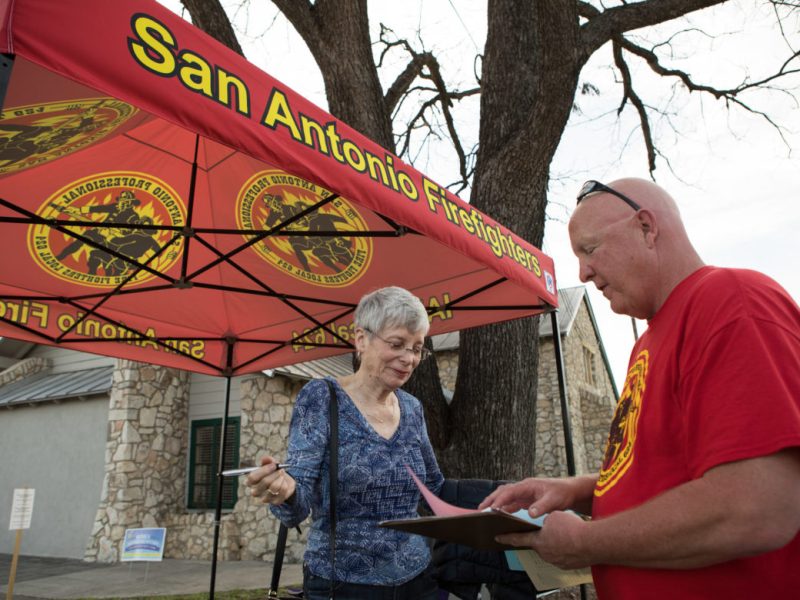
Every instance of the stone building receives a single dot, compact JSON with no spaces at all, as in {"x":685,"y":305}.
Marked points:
{"x":111,"y":445}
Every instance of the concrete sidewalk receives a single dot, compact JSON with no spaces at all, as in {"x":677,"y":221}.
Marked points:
{"x":50,"y":578}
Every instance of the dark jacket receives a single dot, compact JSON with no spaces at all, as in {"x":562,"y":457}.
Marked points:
{"x":461,"y":570}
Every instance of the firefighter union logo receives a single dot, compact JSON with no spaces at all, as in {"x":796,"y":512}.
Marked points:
{"x":271,"y":198}
{"x":38,"y":133}
{"x":619,"y":448}
{"x":97,"y":257}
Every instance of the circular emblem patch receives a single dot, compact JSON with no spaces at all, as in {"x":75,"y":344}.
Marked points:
{"x":620,"y":445}
{"x":271,"y":198}
{"x":95,"y":259}
{"x":38,"y":133}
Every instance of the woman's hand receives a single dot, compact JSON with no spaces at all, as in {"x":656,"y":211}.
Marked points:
{"x":270,"y":484}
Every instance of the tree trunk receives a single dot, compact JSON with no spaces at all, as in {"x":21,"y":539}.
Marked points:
{"x":337,"y":33}
{"x":533,"y":56}
{"x":528,"y":85}
{"x":209,"y":16}
{"x":529,"y":80}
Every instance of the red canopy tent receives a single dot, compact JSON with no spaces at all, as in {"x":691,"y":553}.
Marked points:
{"x":163,"y":200}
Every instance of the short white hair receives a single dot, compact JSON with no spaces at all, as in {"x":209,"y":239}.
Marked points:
{"x":391,"y":307}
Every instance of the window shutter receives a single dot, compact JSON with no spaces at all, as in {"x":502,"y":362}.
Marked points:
{"x":204,"y":456}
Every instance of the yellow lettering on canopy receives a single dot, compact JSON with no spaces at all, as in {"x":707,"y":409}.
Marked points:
{"x":198,"y":349}
{"x":433,"y":194}
{"x":150,"y":341}
{"x":226,"y":81}
{"x":278,"y":112}
{"x":156,"y":49}
{"x":441,"y":313}
{"x":314,"y":134}
{"x":195,"y":74}
{"x":354,"y":156}
{"x":152,"y":47}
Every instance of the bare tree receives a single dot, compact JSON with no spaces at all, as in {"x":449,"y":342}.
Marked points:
{"x":529,"y":77}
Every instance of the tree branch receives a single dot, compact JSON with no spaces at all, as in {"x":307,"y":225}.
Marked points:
{"x":630,"y":93}
{"x":729,"y":95}
{"x":603,"y":26}
{"x":403,"y":82}
{"x":209,"y":16}
{"x":425,"y":66}
{"x":301,"y":15}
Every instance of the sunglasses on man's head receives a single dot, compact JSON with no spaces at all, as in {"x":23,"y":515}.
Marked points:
{"x":592,"y":187}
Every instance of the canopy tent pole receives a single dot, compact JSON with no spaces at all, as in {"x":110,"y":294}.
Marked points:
{"x":562,"y":392}
{"x":221,"y":468}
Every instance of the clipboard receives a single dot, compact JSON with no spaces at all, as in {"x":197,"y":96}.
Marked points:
{"x":476,"y":529}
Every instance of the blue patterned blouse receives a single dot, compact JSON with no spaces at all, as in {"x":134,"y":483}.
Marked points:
{"x":373,"y":486}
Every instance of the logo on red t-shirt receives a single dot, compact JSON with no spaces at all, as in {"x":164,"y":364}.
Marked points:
{"x":619,"y":447}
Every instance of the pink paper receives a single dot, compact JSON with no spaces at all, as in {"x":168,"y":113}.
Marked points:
{"x":439,"y":507}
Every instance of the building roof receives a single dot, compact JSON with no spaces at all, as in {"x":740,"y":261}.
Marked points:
{"x":569,"y":301}
{"x":333,"y":365}
{"x":44,"y":387}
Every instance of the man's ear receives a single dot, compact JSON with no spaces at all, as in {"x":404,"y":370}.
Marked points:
{"x":648,"y":225}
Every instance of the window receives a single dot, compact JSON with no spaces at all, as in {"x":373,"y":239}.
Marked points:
{"x":203,"y":462}
{"x":588,"y":365}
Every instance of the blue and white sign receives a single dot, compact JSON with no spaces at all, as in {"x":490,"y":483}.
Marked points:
{"x":143,"y":544}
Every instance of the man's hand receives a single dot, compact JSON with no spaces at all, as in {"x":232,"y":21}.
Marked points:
{"x":558,"y":541}
{"x":542,"y":496}
{"x":736,"y":509}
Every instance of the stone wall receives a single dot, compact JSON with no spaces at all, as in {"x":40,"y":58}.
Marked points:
{"x":145,"y":465}
{"x":190,"y":535}
{"x":447,"y":361}
{"x":591,"y":395}
{"x":591,"y":403}
{"x":24,"y":368}
{"x":550,"y":449}
{"x":266,"y":409}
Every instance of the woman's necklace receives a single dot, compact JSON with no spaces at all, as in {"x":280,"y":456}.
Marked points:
{"x":372,"y":415}
{"x":381,"y":421}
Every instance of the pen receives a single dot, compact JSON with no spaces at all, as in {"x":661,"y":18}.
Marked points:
{"x":246,"y":470}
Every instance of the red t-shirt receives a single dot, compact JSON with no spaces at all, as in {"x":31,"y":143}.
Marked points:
{"x":714,"y":379}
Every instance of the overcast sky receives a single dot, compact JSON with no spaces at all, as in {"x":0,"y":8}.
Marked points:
{"x":734,"y":178}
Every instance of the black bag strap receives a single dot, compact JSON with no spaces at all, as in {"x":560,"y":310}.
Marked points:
{"x":333,"y":442}
{"x":277,"y":564}
{"x":333,"y":446}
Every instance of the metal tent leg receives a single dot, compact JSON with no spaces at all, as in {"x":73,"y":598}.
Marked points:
{"x":220,"y":480}
{"x":562,"y":392}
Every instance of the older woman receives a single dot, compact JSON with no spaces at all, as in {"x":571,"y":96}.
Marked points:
{"x":381,"y":430}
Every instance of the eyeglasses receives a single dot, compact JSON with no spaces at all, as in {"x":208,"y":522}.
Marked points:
{"x":592,"y":186}
{"x":398,"y":347}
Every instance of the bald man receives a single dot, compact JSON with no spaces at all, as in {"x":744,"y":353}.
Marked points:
{"x":698,"y":495}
